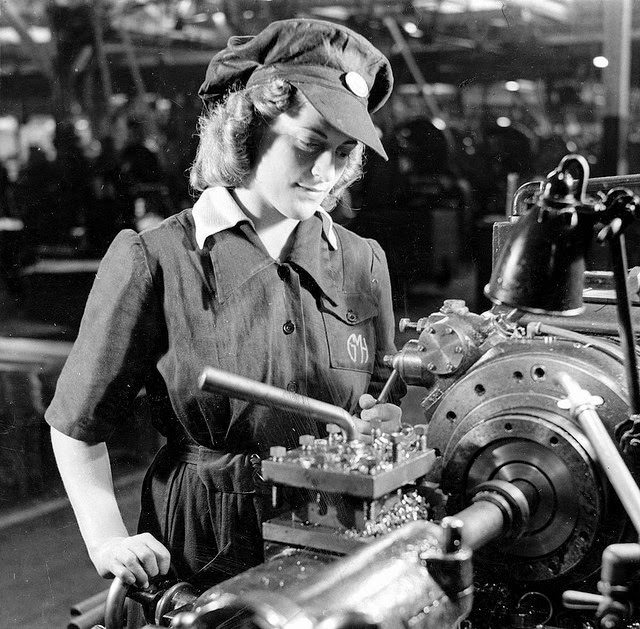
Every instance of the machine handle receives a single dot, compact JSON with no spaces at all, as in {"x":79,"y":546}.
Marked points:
{"x":573,"y":599}
{"x":233,"y":385}
{"x":114,"y":606}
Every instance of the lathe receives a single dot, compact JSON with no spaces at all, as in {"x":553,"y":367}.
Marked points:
{"x":515,"y":503}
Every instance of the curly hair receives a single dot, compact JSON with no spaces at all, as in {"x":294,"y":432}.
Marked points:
{"x":230,"y":132}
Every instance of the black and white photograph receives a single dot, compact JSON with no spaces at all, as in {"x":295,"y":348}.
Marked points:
{"x":319,"y":314}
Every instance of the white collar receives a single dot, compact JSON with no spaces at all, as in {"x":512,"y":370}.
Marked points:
{"x":216,"y":210}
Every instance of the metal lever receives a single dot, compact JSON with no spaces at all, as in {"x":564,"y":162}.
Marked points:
{"x":573,"y":599}
{"x":216,"y":380}
{"x":382,"y":398}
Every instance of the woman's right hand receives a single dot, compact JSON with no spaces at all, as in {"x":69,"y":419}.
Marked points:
{"x":134,"y":559}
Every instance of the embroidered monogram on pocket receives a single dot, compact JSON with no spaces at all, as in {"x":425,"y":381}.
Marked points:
{"x":350,"y":333}
{"x":357,"y":349}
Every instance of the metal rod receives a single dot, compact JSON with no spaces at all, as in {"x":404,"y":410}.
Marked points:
{"x":233,"y":385}
{"x":482,"y":522}
{"x":623,"y":306}
{"x":88,"y":604}
{"x":387,"y":387}
{"x":425,"y":91}
{"x":607,"y":453}
{"x":96,"y":8}
{"x":114,"y":612}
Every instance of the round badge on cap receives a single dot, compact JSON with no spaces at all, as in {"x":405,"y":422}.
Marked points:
{"x":356,"y":84}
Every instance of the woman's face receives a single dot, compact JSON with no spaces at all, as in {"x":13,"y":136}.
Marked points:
{"x":299,"y":159}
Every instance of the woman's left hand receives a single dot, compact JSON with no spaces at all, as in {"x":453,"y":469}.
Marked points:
{"x":388,"y":415}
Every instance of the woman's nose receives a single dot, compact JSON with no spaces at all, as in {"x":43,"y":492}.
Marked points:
{"x":324,"y":167}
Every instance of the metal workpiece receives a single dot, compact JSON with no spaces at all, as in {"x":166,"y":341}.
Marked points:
{"x":233,"y":385}
{"x":386,"y":584}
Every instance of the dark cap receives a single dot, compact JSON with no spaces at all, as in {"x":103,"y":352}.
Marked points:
{"x":345,"y":87}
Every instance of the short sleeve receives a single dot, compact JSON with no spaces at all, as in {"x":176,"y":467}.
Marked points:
{"x":385,"y":326}
{"x":117,"y":344}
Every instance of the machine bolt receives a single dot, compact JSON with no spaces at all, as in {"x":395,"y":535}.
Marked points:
{"x":431,"y":366}
{"x":458,"y":349}
{"x":405,"y":324}
{"x":306,"y":441}
{"x":277,"y":453}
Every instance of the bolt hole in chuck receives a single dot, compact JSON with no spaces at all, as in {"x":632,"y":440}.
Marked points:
{"x":520,"y":432}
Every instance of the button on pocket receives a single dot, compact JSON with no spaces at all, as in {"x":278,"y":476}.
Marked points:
{"x":289,"y":327}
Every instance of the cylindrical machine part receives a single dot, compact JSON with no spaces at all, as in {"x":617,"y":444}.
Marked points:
{"x":388,"y":583}
{"x":89,"y":619}
{"x":418,"y":575}
{"x":114,"y":606}
{"x":482,"y":523}
{"x":90,"y":603}
{"x":217,"y":380}
{"x":507,"y":419}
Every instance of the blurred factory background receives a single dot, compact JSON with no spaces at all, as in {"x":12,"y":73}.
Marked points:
{"x":98,"y":112}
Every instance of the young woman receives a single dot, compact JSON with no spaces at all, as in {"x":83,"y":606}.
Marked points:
{"x":255,"y":279}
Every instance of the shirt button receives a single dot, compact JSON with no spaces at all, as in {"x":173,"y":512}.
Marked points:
{"x":283,"y":272}
{"x":352,"y":317}
{"x":292,"y":387}
{"x":289,"y":327}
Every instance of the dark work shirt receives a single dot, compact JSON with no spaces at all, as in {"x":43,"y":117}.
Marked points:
{"x":163,"y":307}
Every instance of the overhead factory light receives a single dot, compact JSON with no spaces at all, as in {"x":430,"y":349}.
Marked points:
{"x":600,"y":61}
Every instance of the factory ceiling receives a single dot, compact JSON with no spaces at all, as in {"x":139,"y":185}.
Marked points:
{"x":452,"y":41}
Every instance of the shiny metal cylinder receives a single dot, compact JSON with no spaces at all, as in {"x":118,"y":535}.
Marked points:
{"x":233,"y":385}
{"x":606,"y":451}
{"x":114,"y":606}
{"x":402,"y":579}
{"x":482,"y":522}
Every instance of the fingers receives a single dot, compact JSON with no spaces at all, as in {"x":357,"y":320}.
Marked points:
{"x":366,"y":401}
{"x":388,"y":414}
{"x":127,"y":566}
{"x":133,"y":559}
{"x":163,"y":557}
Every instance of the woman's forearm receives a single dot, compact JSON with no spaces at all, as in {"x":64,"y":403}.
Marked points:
{"x":86,"y":473}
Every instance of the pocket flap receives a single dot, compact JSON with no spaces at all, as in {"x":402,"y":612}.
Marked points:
{"x":353,"y":308}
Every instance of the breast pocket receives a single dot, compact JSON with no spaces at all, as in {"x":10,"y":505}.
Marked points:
{"x":350,"y":331}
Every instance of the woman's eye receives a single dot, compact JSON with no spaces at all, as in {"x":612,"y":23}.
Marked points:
{"x":343,"y":153}
{"x":309,"y":145}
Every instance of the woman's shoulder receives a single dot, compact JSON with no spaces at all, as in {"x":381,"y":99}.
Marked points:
{"x":176,"y":230}
{"x":178,"y":222}
{"x":350,"y":241}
